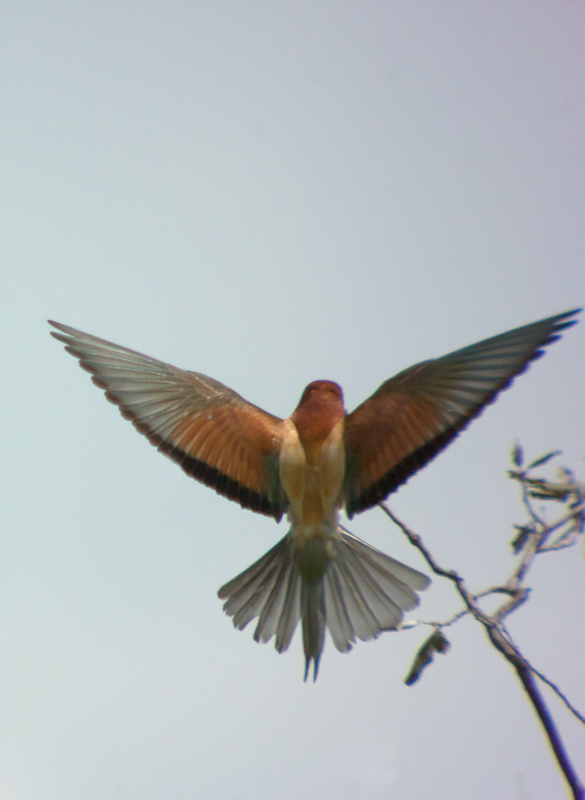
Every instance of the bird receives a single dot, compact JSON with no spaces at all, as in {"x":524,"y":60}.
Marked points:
{"x":311,"y":466}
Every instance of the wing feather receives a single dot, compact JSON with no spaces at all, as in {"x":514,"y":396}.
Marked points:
{"x":414,"y":415}
{"x":214,"y":434}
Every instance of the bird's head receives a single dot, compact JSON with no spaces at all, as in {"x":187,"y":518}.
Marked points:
{"x":319,"y":410}
{"x":319,"y":394}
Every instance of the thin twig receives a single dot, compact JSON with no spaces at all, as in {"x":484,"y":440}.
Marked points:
{"x":560,"y":695}
{"x":502,"y":640}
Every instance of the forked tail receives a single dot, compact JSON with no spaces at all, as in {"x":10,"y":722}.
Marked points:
{"x":361,"y":593}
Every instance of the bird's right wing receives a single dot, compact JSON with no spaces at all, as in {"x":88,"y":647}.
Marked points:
{"x":214,"y":434}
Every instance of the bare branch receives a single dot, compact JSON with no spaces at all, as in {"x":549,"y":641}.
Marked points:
{"x":536,"y":537}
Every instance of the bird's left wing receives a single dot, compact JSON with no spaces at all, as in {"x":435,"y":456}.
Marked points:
{"x":214,"y":434}
{"x":414,"y":415}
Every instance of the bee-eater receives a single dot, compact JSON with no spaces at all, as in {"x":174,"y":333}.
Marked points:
{"x":310,"y":466}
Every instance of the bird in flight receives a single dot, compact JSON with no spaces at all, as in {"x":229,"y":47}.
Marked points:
{"x":309,"y":467}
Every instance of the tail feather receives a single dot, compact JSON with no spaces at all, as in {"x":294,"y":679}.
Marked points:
{"x":289,"y":617}
{"x":385,"y":586}
{"x":379,"y":609}
{"x":361,"y":618}
{"x":284,"y":588}
{"x":247,"y":593}
{"x":361,"y":593}
{"x":338,"y":620}
{"x":384,"y":564}
{"x":313,"y":614}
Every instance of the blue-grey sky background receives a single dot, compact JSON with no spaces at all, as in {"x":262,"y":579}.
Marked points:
{"x":272,"y":193}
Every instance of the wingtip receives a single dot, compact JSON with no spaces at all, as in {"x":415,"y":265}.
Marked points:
{"x":61,"y":331}
{"x":564,"y":320}
{"x":556,"y":326}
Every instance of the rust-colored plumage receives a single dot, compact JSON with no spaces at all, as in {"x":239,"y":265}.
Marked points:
{"x":310,"y":466}
{"x":319,"y":408}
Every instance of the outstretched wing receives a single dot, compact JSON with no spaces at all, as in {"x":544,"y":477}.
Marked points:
{"x":414,"y":415}
{"x":214,"y":434}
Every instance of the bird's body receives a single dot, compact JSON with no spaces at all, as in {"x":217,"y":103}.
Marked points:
{"x":312,"y":457}
{"x":310,"y":466}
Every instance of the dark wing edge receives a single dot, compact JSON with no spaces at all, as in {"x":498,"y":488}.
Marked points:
{"x":392,"y":479}
{"x":270,"y":502}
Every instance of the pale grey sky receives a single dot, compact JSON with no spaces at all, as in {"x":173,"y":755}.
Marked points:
{"x":270,"y":193}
